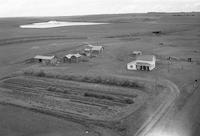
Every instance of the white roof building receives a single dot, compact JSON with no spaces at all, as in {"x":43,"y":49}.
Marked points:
{"x":89,"y":45}
{"x":93,"y":49}
{"x":143,"y":62}
{"x":44,"y":57}
{"x":97,"y":48}
{"x":77,"y":55}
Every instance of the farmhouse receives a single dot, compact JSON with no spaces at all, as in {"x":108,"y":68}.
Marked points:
{"x":143,"y":62}
{"x":97,"y":49}
{"x":45,"y":59}
{"x":93,"y":49}
{"x":72,"y":58}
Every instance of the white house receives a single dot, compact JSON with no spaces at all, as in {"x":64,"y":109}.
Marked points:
{"x":143,"y":62}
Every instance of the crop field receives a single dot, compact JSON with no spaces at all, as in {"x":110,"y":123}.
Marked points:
{"x":90,"y":101}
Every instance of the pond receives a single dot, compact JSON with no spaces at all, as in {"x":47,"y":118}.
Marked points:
{"x":51,"y":24}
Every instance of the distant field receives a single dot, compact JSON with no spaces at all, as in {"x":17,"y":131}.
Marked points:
{"x":20,"y":40}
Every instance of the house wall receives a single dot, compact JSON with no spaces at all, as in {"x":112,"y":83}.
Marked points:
{"x":73,"y":59}
{"x":152,"y":67}
{"x":131,"y":66}
{"x":97,"y":51}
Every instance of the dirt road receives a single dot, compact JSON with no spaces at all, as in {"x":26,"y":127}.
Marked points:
{"x":184,"y":122}
{"x":161,"y":110}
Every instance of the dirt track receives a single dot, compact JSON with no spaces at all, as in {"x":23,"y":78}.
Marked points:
{"x":161,"y":110}
{"x":175,"y":122}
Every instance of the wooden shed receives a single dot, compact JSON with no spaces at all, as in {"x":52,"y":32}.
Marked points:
{"x":72,"y":58}
{"x":45,"y":59}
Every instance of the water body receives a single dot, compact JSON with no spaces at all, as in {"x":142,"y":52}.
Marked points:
{"x":52,"y":24}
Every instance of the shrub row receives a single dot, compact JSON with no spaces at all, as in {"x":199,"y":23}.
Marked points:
{"x":89,"y":79}
{"x":107,"y":97}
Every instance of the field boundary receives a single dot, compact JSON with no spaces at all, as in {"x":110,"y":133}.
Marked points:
{"x":18,"y":40}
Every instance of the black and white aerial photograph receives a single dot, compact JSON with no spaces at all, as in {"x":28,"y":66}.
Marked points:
{"x":99,"y":68}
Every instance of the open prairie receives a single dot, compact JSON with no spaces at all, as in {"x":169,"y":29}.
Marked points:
{"x":100,"y":96}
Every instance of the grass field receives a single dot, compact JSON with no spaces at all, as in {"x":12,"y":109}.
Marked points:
{"x":178,"y":38}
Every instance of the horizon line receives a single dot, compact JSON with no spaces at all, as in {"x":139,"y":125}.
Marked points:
{"x":167,"y":12}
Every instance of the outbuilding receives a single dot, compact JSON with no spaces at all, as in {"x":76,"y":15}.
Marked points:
{"x":97,"y":49}
{"x":45,"y":59}
{"x":143,"y":62}
{"x":72,"y":58}
{"x":94,"y":49}
{"x":137,"y":53}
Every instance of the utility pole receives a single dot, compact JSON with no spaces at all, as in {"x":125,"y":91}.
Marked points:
{"x":168,"y":66}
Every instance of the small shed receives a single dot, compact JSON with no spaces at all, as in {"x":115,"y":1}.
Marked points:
{"x":137,"y":53}
{"x":93,"y":49}
{"x":72,"y":58}
{"x":45,"y":59}
{"x":97,"y":49}
{"x":87,"y":52}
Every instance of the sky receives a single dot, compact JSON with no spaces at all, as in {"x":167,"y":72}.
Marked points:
{"x":19,"y":8}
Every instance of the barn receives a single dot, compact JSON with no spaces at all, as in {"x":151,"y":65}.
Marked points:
{"x":143,"y":62}
{"x":97,"y":49}
{"x":45,"y":59}
{"x":93,"y":49}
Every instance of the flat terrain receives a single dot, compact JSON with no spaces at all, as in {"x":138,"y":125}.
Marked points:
{"x":178,"y":38}
{"x":91,"y":101}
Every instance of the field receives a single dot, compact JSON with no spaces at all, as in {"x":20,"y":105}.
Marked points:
{"x":86,"y":100}
{"x":98,"y":97}
{"x":107,"y":102}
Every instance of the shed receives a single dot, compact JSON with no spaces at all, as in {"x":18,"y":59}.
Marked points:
{"x":94,"y":49}
{"x":137,"y":53}
{"x":72,"y":57}
{"x":143,"y":62}
{"x":97,"y":49}
{"x":45,"y":59}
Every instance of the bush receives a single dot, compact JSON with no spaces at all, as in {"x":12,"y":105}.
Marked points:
{"x":99,"y":96}
{"x":41,"y":74}
{"x":98,"y":79}
{"x":54,"y":89}
{"x":51,"y":89}
{"x":30,"y":72}
{"x":129,"y":101}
